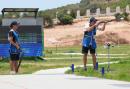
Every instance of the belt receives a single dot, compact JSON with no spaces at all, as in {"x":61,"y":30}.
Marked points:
{"x":89,"y":36}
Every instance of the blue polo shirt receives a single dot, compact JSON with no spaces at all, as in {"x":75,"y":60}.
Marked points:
{"x":89,"y":40}
{"x":15,"y":36}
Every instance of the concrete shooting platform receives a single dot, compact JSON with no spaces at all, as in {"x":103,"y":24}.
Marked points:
{"x":56,"y":79}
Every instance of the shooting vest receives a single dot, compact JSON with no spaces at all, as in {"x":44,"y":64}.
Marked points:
{"x":13,"y":49}
{"x":89,"y":39}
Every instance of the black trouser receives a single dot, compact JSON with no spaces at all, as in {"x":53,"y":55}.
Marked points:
{"x":86,"y":49}
{"x":14,"y":57}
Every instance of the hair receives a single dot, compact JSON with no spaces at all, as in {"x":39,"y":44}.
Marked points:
{"x":11,"y":26}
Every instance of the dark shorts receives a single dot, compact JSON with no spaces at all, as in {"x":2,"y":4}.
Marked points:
{"x":14,"y":57}
{"x":86,"y":49}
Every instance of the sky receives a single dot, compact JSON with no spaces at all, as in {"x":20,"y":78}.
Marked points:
{"x":41,"y":4}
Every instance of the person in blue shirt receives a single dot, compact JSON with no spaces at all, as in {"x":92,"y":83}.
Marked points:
{"x":13,"y":38}
{"x":89,"y":43}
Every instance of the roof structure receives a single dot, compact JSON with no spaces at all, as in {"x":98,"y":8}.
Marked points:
{"x":35,"y":10}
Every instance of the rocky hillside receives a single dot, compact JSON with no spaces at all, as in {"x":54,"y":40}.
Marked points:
{"x":87,"y":4}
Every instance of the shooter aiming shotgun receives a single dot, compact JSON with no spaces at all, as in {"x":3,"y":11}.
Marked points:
{"x":89,"y":43}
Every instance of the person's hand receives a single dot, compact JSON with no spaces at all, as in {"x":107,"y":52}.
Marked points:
{"x":97,"y":23}
{"x":17,"y":46}
{"x":105,"y":23}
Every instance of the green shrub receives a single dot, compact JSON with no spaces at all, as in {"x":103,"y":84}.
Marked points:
{"x":65,"y":19}
{"x":125,"y":16}
{"x":118,"y":16}
{"x":47,"y":21}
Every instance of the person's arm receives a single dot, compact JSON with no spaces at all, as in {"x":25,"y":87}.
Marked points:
{"x":112,"y":20}
{"x":10,"y":39}
{"x":95,"y":25}
{"x":104,"y":25}
{"x":103,"y":28}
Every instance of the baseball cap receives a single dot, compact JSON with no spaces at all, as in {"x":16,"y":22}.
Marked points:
{"x":92,"y":19}
{"x":14,"y":23}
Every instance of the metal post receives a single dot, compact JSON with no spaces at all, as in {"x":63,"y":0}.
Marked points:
{"x":72,"y":68}
{"x":56,"y":48}
{"x":103,"y":71}
{"x":96,"y":61}
{"x":96,"y":65}
{"x":108,"y":49}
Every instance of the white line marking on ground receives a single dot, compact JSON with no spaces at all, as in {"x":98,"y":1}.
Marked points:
{"x":97,"y":54}
{"x":81,"y":57}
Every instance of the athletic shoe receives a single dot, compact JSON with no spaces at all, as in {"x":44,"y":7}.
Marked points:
{"x":95,"y":69}
{"x":85,"y":68}
{"x":12,"y":72}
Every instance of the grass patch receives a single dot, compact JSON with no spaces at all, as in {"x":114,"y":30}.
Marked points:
{"x":122,"y":49}
{"x":30,"y":65}
{"x":120,"y":71}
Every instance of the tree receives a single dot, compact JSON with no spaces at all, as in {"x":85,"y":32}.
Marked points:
{"x":47,"y":21}
{"x":93,"y":8}
{"x":125,"y":16}
{"x":0,"y":20}
{"x":73,"y":13}
{"x":108,"y":1}
{"x":84,"y":3}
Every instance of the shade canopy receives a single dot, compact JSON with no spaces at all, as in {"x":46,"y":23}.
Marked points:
{"x":35,"y":10}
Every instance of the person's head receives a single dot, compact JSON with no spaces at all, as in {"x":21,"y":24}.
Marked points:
{"x":14,"y":25}
{"x":92,"y":21}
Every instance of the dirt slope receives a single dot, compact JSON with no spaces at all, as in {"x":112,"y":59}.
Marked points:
{"x":72,"y":34}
